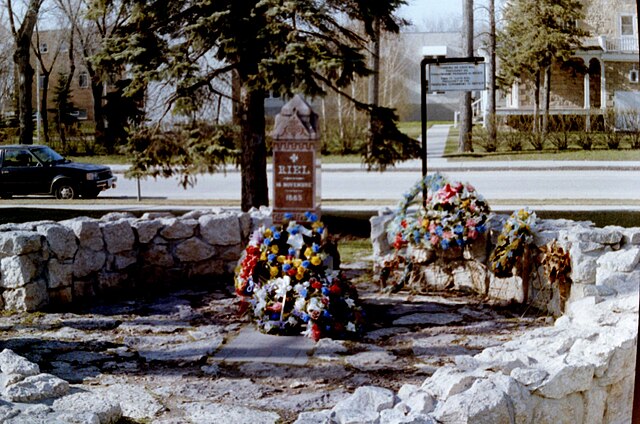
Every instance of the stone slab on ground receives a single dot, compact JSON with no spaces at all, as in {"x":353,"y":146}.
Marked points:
{"x":252,"y":346}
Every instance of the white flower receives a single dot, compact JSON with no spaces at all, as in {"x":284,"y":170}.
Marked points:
{"x":282,"y":285}
{"x":351,"y":327}
{"x":296,"y":241}
{"x":292,"y":321}
{"x":315,"y":305}
{"x":350,"y":302}
{"x":268,"y":326}
{"x":300,"y":304}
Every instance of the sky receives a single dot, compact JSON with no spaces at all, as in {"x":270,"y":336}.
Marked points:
{"x":418,"y":11}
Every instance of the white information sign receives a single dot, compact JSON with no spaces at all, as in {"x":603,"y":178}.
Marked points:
{"x":457,"y":76}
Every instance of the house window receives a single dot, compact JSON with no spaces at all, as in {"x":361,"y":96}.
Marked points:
{"x":44,"y":48}
{"x":633,"y":76}
{"x":41,"y":82}
{"x":83,"y":80}
{"x":626,"y":25}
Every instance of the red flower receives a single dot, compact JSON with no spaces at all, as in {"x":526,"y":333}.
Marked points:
{"x":403,"y":223}
{"x":292,"y":271}
{"x":335,"y":289}
{"x":316,"y":284}
{"x":315,"y":332}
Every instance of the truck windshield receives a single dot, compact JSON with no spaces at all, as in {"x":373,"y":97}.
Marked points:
{"x":47,"y":155}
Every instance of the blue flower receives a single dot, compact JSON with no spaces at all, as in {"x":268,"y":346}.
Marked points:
{"x":325,"y":291}
{"x":416,"y":235}
{"x":273,"y":228}
{"x":481,"y":228}
{"x":274,"y":316}
{"x":303,"y":293}
{"x":315,"y":248}
{"x":444,"y":244}
{"x":306,"y":264}
{"x":276,"y":235}
{"x":326,"y":313}
{"x":439,"y":230}
{"x":292,"y":251}
{"x":459,"y":229}
{"x":305,"y":317}
{"x":286,"y":267}
{"x":460,"y":242}
{"x":271,"y":257}
{"x":267,"y":242}
{"x":288,"y":215}
{"x":295,"y":230}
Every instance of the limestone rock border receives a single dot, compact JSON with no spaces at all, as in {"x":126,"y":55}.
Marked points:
{"x":58,"y":264}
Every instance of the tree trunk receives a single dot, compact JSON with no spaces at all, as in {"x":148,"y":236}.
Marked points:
{"x":466,"y":125}
{"x":24,"y":70}
{"x":97,"y":91}
{"x":536,"y":104}
{"x":491,"y":101}
{"x":44,"y":115}
{"x":253,"y":159}
{"x":547,"y":99}
{"x":374,"y":85}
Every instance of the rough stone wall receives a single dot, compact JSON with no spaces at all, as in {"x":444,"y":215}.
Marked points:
{"x":601,"y":16}
{"x":54,"y":264}
{"x":605,"y":262}
{"x":578,"y":371}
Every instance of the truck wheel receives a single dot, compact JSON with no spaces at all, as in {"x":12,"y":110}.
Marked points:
{"x":65,"y":191}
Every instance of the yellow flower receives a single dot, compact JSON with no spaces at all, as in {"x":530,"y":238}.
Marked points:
{"x":297,"y":262}
{"x":274,"y":271}
{"x":274,"y":249}
{"x":281,"y":259}
{"x":308,"y":252}
{"x":299,"y":275}
{"x":263,"y":256}
{"x":267,"y":233}
{"x":316,"y":260}
{"x":425,"y":223}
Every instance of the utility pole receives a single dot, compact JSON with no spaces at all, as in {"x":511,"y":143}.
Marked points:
{"x":466,"y":118}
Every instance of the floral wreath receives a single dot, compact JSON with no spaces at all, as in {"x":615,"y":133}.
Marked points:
{"x":453,"y":215}
{"x":283,"y":282}
{"x":516,"y":234}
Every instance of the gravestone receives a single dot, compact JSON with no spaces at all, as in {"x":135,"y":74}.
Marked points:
{"x":296,"y":161}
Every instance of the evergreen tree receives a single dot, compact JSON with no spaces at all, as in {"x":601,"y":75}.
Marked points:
{"x":536,"y":35}
{"x":268,"y":45}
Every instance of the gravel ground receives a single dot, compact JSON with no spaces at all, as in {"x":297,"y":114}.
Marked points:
{"x":157,"y":352}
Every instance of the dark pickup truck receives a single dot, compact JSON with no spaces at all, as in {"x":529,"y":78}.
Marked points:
{"x":36,"y":169}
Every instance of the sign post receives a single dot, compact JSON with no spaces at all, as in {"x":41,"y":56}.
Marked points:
{"x":447,"y":74}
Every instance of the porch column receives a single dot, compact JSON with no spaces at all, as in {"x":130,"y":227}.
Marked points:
{"x":587,"y":102}
{"x":603,"y":87}
{"x":587,"y":92}
{"x":515,"y":95}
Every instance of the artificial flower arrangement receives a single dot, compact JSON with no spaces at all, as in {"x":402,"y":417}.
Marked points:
{"x":453,"y":215}
{"x":516,"y":234}
{"x":283,"y":281}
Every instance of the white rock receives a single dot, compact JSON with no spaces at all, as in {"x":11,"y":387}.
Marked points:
{"x":61,"y":240}
{"x":118,"y":236}
{"x":175,"y":228}
{"x":221,"y":229}
{"x":568,"y":410}
{"x":448,"y":381}
{"x":107,"y":411}
{"x":363,"y":406}
{"x":483,"y":403}
{"x":87,"y":230}
{"x":60,"y":274}
{"x":12,"y":363}
{"x":396,"y":416}
{"x":88,"y":261}
{"x":421,"y":402}
{"x":565,"y":379}
{"x":19,"y":242}
{"x":371,"y":360}
{"x":530,"y":377}
{"x":319,"y":417}
{"x":134,"y":401}
{"x":621,"y":260}
{"x":194,"y":250}
{"x":146,"y":230}
{"x":36,"y":387}
{"x":208,"y":413}
{"x":16,"y":271}
{"x":29,"y":298}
